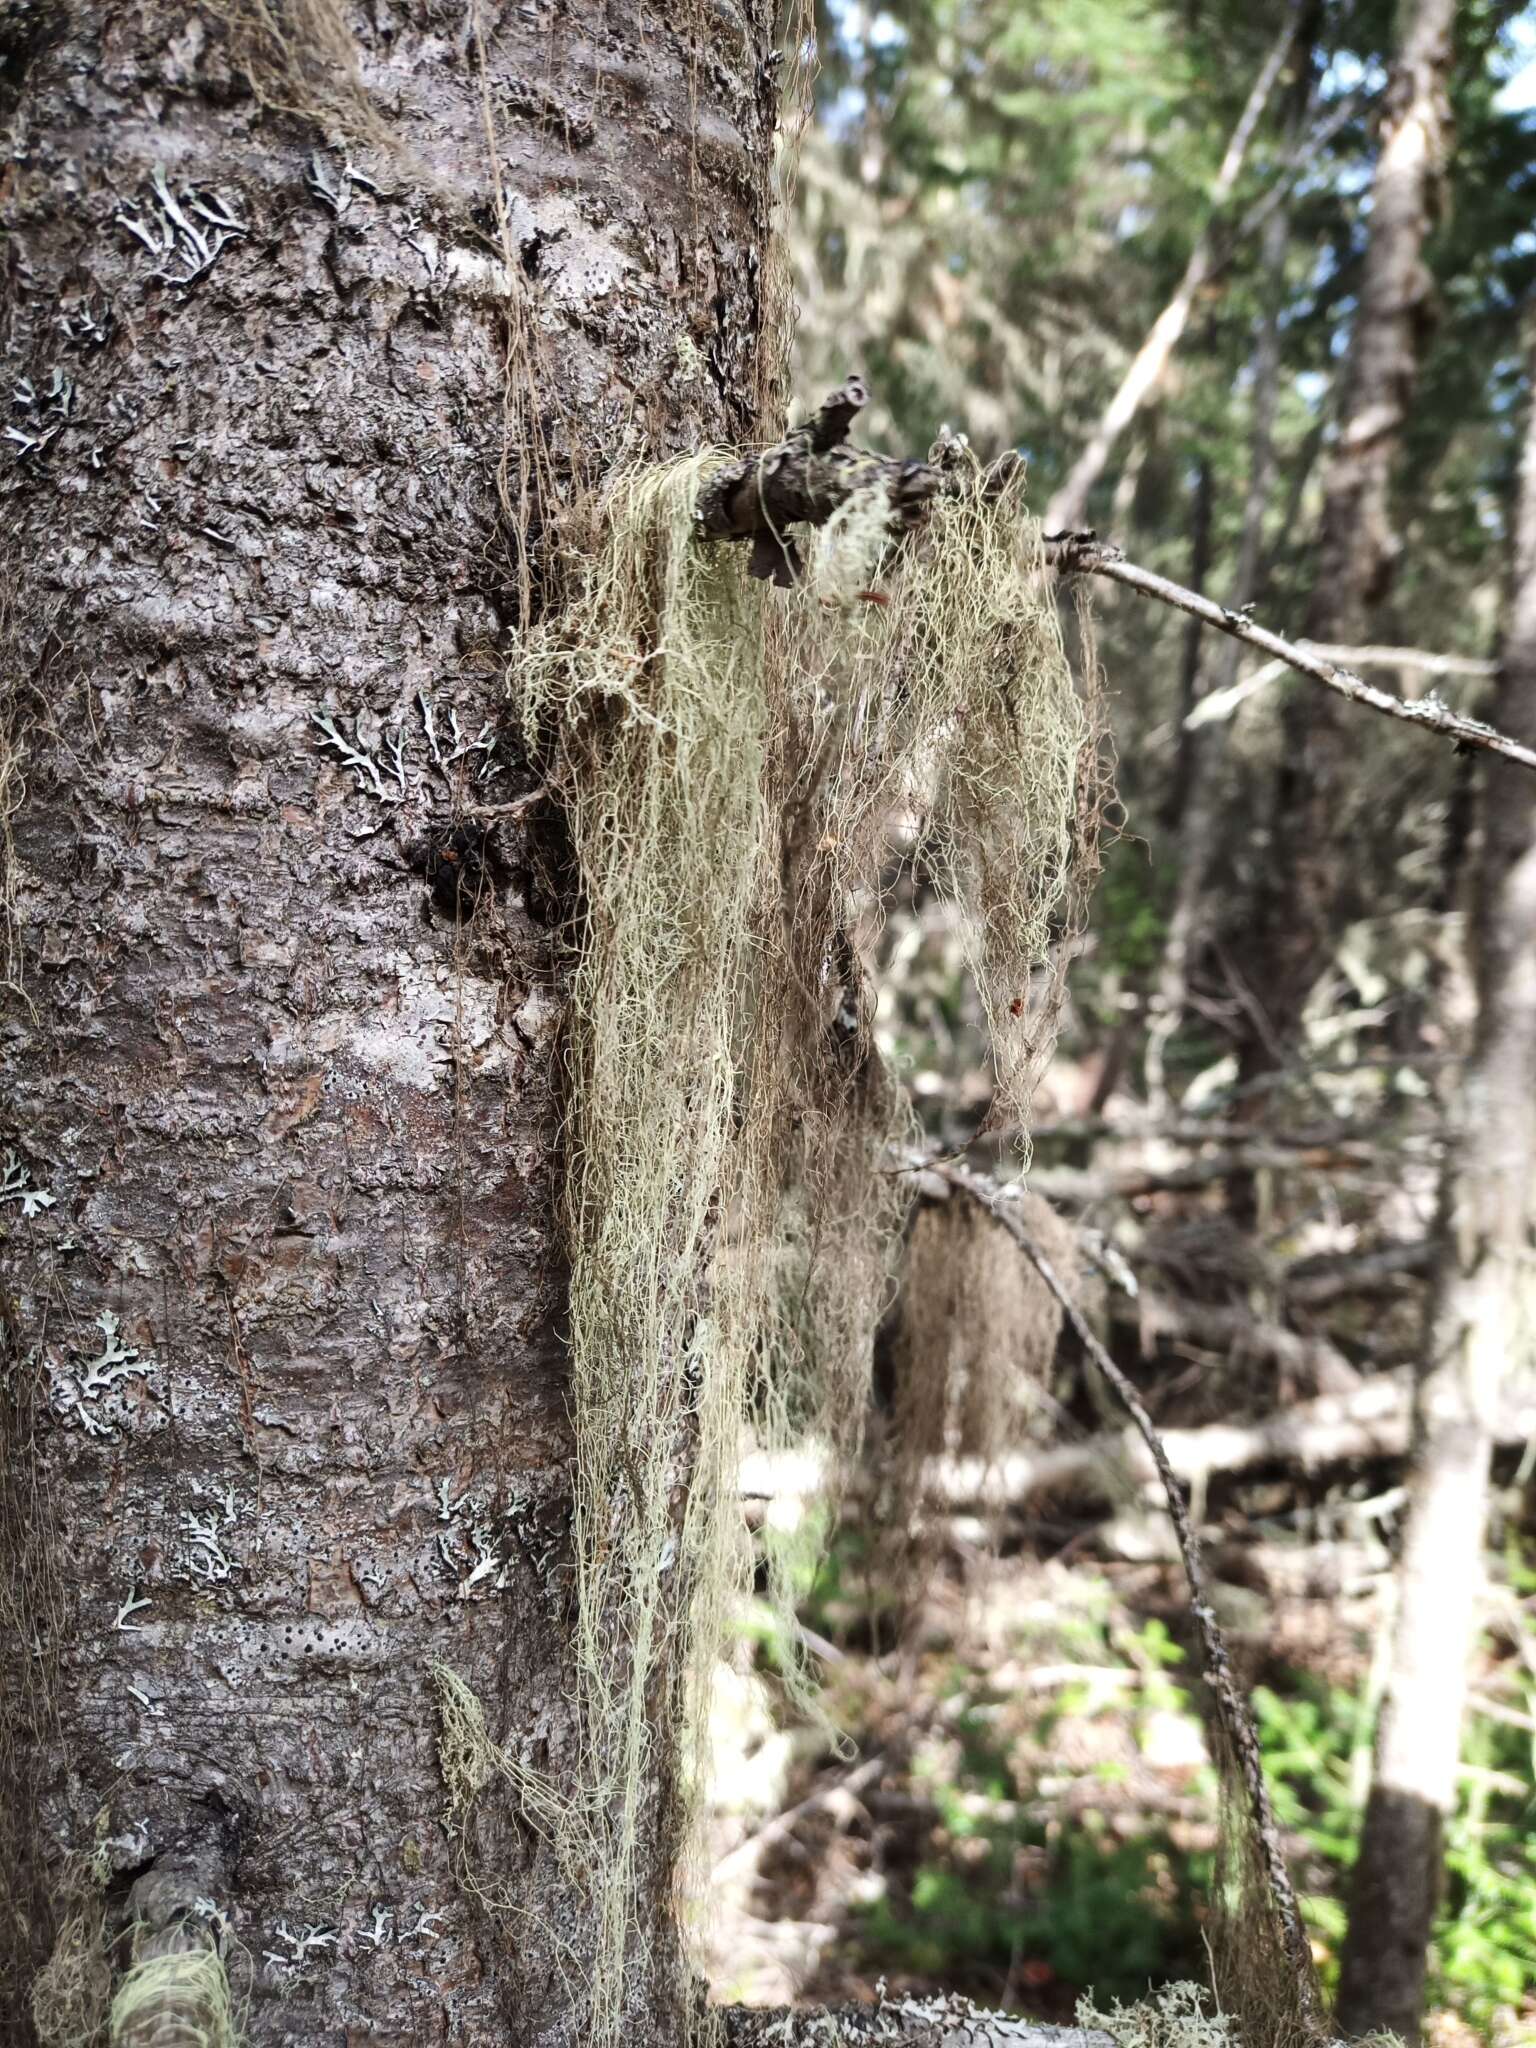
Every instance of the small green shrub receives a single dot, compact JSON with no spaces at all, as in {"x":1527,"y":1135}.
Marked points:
{"x":1111,"y":1915}
{"x":1003,"y":1886}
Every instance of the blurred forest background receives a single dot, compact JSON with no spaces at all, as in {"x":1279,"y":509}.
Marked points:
{"x":1251,"y":289}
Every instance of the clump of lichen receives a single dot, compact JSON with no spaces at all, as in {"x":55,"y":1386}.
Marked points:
{"x":70,"y":1994}
{"x":973,"y":1342}
{"x":1176,"y":2016}
{"x":174,"y":1997}
{"x":729,"y":761}
{"x":174,"y":1993}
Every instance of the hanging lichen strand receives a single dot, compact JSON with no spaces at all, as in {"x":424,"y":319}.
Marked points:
{"x":729,"y":758}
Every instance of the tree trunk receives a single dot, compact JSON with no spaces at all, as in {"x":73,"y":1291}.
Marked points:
{"x":1201,"y":772}
{"x":285,"y":1413}
{"x":1476,"y":1333}
{"x":1202,"y":505}
{"x":1358,"y":546}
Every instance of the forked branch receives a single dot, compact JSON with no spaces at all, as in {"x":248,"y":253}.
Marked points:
{"x":803,"y":479}
{"x":1086,"y":554}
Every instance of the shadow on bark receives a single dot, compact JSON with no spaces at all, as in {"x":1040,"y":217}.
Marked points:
{"x":1396,"y":1888}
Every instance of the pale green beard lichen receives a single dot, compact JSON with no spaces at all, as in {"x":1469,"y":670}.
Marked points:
{"x":992,"y":676}
{"x":179,"y":2000}
{"x":729,"y":759}
{"x":70,"y":1993}
{"x":650,"y":691}
{"x":846,"y":553}
{"x":175,"y":1993}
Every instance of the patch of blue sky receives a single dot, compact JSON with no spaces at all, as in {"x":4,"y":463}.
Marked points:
{"x":1518,"y":93}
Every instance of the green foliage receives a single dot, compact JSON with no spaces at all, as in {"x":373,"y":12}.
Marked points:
{"x":1004,"y":1890}
{"x":997,"y":204}
{"x":1005,"y":1886}
{"x":1131,"y":913}
{"x":1007,"y":1890}
{"x":1101,"y":1919}
{"x":1485,"y":1937}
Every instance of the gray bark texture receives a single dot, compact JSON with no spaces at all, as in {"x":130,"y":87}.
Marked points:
{"x":1477,"y":1338}
{"x":284,"y":1399}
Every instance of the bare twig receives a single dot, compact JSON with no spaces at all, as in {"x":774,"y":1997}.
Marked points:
{"x":1086,"y":554}
{"x":746,"y":1856}
{"x":815,"y":469}
{"x":1221,"y":704}
{"x":1315,"y":1282}
{"x":1080,"y":1186}
{"x":803,"y":480}
{"x":1248,"y":226}
{"x":1309,"y":1363}
{"x":1232,"y":1710}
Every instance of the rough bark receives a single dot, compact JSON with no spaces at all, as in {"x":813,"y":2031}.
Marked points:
{"x":914,"y":2022}
{"x":284,"y":1392}
{"x":1358,"y":545}
{"x":1475,"y":1327}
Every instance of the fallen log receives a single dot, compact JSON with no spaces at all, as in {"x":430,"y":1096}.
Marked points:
{"x":1335,"y":1429}
{"x":1315,"y":1282}
{"x":1078,"y":1187}
{"x":941,"y":2022}
{"x":1310,"y":1364}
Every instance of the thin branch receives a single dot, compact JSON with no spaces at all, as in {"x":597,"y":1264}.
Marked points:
{"x":1367,"y":1426}
{"x":1302,"y":158}
{"x":815,"y":469}
{"x":1232,"y":1710}
{"x":746,"y":1856}
{"x":1085,"y":554}
{"x":1220,"y":704}
{"x":1081,"y":1186}
{"x":1311,"y":1363}
{"x":1313,"y":1283}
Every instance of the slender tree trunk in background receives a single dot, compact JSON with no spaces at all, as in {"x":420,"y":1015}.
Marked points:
{"x":1202,"y":751}
{"x":1194,"y":646}
{"x":1476,"y":1331}
{"x":285,"y":1391}
{"x":1069,"y":505}
{"x":1358,"y":546}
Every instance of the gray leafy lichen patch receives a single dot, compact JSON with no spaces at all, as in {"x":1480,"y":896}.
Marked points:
{"x":89,"y":1392}
{"x":941,"y":2021}
{"x":17,"y":1185}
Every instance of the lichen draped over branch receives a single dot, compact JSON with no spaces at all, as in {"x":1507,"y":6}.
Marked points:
{"x":730,"y":760}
